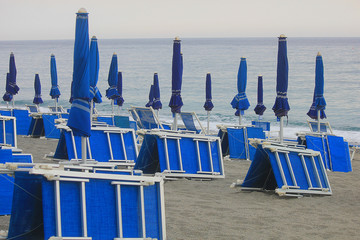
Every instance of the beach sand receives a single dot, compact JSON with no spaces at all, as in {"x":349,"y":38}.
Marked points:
{"x":213,"y":210}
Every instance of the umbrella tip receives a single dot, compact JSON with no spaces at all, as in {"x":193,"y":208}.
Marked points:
{"x":260,"y":75}
{"x":114,"y":53}
{"x":318,"y":54}
{"x":11,"y":53}
{"x":155,"y":73}
{"x":243,"y":58}
{"x":177,"y":38}
{"x":282,"y":36}
{"x":82,"y":10}
{"x":93,"y":37}
{"x":52,"y":55}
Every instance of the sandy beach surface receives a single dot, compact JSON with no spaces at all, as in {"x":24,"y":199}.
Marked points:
{"x":213,"y":210}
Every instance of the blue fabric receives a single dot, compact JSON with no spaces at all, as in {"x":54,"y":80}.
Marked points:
{"x":339,"y":154}
{"x":36,"y":128}
{"x":151,"y":97}
{"x":12,"y":88}
{"x":111,"y":92}
{"x":79,"y":117}
{"x":95,"y":94}
{"x":260,"y":108}
{"x":208,"y":103}
{"x":49,"y":126}
{"x":23,"y":121}
{"x":157,"y":103}
{"x":26,"y":219}
{"x":7,"y":96}
{"x":240,"y":102}
{"x":177,"y":68}
{"x":319,"y":103}
{"x":319,"y":144}
{"x":54,"y":91}
{"x":188,"y":121}
{"x":281,"y":106}
{"x":146,"y":118}
{"x":37,"y":87}
{"x":264,"y":125}
{"x":148,"y":159}
{"x":119,"y":100}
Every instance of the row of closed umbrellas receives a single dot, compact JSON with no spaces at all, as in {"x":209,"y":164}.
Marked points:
{"x":85,"y":77}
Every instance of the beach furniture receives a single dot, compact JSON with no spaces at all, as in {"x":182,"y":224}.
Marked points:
{"x":324,"y":126}
{"x":334,"y":150}
{"x":6,"y":180}
{"x":8,"y":132}
{"x":189,"y":119}
{"x":23,"y":120}
{"x":290,"y":171}
{"x":180,"y":155}
{"x":106,"y":144}
{"x":235,"y":140}
{"x":78,"y":203}
{"x":146,"y":118}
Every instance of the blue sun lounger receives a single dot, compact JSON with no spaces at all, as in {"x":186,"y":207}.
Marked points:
{"x":23,"y":121}
{"x":146,"y":118}
{"x":7,"y":181}
{"x":8,"y":132}
{"x":235,"y":140}
{"x":334,"y":150}
{"x":74,"y":205}
{"x":189,"y":119}
{"x":324,"y":126}
{"x":287,"y":170}
{"x":50,"y":122}
{"x":106,"y":144}
{"x":180,"y":155}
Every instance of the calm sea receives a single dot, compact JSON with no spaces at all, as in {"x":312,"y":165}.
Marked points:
{"x":139,"y":59}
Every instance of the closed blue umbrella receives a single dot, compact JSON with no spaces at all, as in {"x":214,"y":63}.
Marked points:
{"x":319,"y":103}
{"x":95,"y":94}
{"x":7,"y":96}
{"x":111,"y":92}
{"x":240,"y":102}
{"x":208,"y":102}
{"x":157,"y":103}
{"x":260,"y":108}
{"x":177,"y":67}
{"x":54,"y":91}
{"x":13,"y":88}
{"x":79,"y":117}
{"x":37,"y":87}
{"x":120,"y":100}
{"x":151,"y":97}
{"x":281,"y":106}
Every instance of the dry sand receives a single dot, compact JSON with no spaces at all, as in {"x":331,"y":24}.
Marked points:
{"x":212,"y":210}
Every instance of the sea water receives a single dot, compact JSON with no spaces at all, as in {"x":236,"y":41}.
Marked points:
{"x":139,"y":59}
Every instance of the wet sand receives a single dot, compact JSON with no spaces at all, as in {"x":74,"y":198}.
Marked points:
{"x":213,"y":210}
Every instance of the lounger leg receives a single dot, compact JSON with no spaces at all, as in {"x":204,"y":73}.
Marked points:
{"x":110,"y":147}
{"x":142,"y":205}
{"x":74,"y":145}
{"x":210,"y":157}
{"x":83,"y":209}
{"x":198,"y":155}
{"x":291,"y":169}
{"x":123,"y":146}
{"x":58,"y":209}
{"x":306,"y":171}
{"x":179,"y":154}
{"x":119,"y":212}
{"x":280,"y":168}
{"x":316,"y":172}
{"x":166,"y":154}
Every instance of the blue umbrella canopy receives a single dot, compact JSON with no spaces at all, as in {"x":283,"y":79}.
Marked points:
{"x":7,"y":96}
{"x":37,"y":87}
{"x":157,"y":103}
{"x":177,"y":68}
{"x":95,"y":94}
{"x":12,"y":88}
{"x":54,"y":91}
{"x":151,"y":97}
{"x":281,"y":106}
{"x":79,"y":117}
{"x":240,"y":102}
{"x":260,"y":108}
{"x":319,"y":103}
{"x":112,"y":92}
{"x":119,"y":100}
{"x":208,"y":103}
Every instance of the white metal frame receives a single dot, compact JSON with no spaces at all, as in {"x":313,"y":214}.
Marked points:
{"x":322,"y":122}
{"x":134,"y":109}
{"x":4,"y":119}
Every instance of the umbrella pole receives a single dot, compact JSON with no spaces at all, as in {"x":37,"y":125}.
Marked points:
{"x":175,"y":122}
{"x":13,"y":102}
{"x":281,"y":132}
{"x":7,"y":104}
{"x":240,"y":118}
{"x":91,"y":111}
{"x":318,"y":120}
{"x":112,"y":105}
{"x":208,"y":122}
{"x":157,"y":115}
{"x":83,"y":149}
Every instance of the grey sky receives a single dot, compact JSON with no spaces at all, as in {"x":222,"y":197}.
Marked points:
{"x":55,"y":19}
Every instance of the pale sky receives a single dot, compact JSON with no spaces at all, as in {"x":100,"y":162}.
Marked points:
{"x":55,"y":19}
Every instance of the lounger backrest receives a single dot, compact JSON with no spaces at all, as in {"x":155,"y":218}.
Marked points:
{"x":32,"y":108}
{"x":188,"y":121}
{"x":264,"y":125}
{"x":324,"y":126}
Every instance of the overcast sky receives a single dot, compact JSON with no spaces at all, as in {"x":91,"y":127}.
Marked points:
{"x":55,"y":19}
